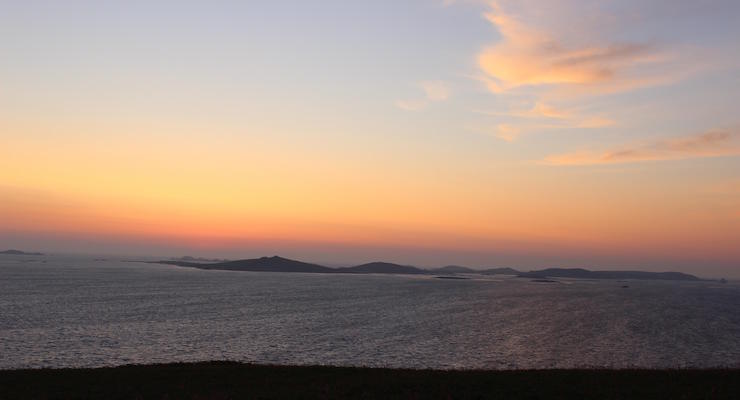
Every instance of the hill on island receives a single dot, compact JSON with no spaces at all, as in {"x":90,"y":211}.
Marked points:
{"x":381,"y":268}
{"x":20,"y":253}
{"x":280,"y":264}
{"x":580,"y":273}
{"x":262,"y":264}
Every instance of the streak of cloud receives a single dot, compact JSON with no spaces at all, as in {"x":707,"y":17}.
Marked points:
{"x":507,"y":132}
{"x":411,"y":105}
{"x":526,"y":55}
{"x":434,"y":91}
{"x":708,"y":144}
{"x":546,"y":117}
{"x":553,"y":63}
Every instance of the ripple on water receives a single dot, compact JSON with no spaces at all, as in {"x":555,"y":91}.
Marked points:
{"x":84,"y":313}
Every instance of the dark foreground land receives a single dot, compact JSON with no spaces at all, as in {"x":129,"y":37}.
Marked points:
{"x":228,"y":380}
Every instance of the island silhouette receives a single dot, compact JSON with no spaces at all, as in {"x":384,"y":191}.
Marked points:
{"x":19,"y":253}
{"x":281,"y":264}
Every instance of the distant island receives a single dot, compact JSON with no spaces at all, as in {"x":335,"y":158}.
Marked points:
{"x":382,"y":268}
{"x":280,"y":264}
{"x":20,"y":253}
{"x":263,"y":264}
{"x":580,"y":273}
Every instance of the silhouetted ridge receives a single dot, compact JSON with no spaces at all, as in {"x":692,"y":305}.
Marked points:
{"x":382,"y":268}
{"x":262,"y":264}
{"x":20,"y":253}
{"x":280,"y":264}
{"x":581,"y":273}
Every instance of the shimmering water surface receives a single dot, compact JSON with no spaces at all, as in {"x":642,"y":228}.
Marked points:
{"x":65,"y":311}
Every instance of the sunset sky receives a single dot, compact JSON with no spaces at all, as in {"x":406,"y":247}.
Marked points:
{"x":529,"y":134}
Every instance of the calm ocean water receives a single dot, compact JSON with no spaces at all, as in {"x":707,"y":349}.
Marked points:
{"x":80,"y":312}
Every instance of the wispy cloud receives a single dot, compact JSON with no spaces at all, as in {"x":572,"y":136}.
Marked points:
{"x":546,"y":117}
{"x":526,"y":55}
{"x":568,"y":117}
{"x":434,"y":91}
{"x":541,"y":109}
{"x":726,"y":188}
{"x":411,"y":105}
{"x":560,"y":68}
{"x":595,"y":122}
{"x":507,"y":132}
{"x":708,"y":144}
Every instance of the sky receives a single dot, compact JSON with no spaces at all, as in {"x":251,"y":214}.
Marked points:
{"x":528,"y":134}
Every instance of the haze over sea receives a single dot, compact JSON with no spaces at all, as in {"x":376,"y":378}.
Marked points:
{"x":75,"y":311}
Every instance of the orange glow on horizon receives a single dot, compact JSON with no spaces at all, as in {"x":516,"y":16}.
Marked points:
{"x":547,"y":135}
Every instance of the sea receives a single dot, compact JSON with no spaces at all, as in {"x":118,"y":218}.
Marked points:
{"x":74,"y":311}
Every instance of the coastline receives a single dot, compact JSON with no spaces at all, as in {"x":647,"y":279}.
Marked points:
{"x":224,"y":380}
